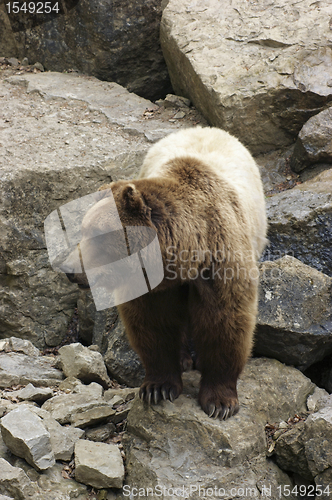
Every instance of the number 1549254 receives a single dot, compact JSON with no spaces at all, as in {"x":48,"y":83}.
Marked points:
{"x":33,"y":7}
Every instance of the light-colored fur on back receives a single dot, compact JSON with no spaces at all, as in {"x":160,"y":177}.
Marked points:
{"x":227,"y":157}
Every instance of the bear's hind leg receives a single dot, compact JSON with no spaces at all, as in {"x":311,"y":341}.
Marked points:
{"x":222,"y":332}
{"x":153,"y":324}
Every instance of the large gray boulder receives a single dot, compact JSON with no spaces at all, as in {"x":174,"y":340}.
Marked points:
{"x":294,"y":322}
{"x":172,"y":445}
{"x":76,"y":133}
{"x":115,"y":41}
{"x":258,"y":70}
{"x":300,"y":223}
{"x":122,"y":362}
{"x":314,"y":143}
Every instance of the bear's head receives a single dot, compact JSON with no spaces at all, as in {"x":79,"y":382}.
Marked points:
{"x":115,"y":235}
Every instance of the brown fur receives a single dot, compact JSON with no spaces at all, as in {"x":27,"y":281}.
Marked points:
{"x":191,"y":209}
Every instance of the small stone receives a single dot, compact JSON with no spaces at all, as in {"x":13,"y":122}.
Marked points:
{"x":277,"y":434}
{"x":64,"y":407}
{"x":289,"y":451}
{"x":39,"y":66}
{"x":172,"y":100}
{"x":31,"y":393}
{"x":14,"y":344}
{"x":317,"y":438}
{"x":81,"y":362}
{"x":15,"y":482}
{"x":117,"y":400}
{"x":25,"y":435}
{"x":179,"y":115}
{"x":156,"y":135}
{"x":13,"y":61}
{"x":314,"y":400}
{"x":99,"y":465}
{"x":25,"y":62}
{"x":122,"y":414}
{"x":100,"y":434}
{"x":314,"y":143}
{"x":283,"y":425}
{"x":70,"y":384}
{"x":126,"y":394}
{"x":92,"y":416}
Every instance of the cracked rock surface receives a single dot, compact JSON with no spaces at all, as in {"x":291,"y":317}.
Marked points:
{"x":256,"y":69}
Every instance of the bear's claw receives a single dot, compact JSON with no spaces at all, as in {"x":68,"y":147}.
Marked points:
{"x":218,"y":402}
{"x":152,"y":393}
{"x":222,"y":412}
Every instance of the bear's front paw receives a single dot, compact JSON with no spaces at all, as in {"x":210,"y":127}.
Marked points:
{"x":152,"y":392}
{"x":218,"y":402}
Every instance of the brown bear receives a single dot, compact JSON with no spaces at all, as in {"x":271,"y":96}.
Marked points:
{"x":201,"y":191}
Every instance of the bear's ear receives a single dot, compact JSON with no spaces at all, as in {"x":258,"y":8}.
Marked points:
{"x":103,"y":191}
{"x":133,"y":199}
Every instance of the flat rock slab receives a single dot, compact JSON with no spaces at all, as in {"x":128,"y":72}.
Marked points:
{"x":294,"y":322}
{"x":118,"y":105}
{"x":65,"y":408}
{"x":300,"y":223}
{"x":19,"y":369}
{"x":258,"y":70}
{"x":98,"y":464}
{"x":26,"y":436}
{"x":32,"y":393}
{"x":174,"y":444}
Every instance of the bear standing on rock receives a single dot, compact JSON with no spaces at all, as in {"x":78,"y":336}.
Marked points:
{"x":201,"y":191}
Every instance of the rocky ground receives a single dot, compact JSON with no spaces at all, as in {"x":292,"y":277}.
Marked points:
{"x":68,"y":431}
